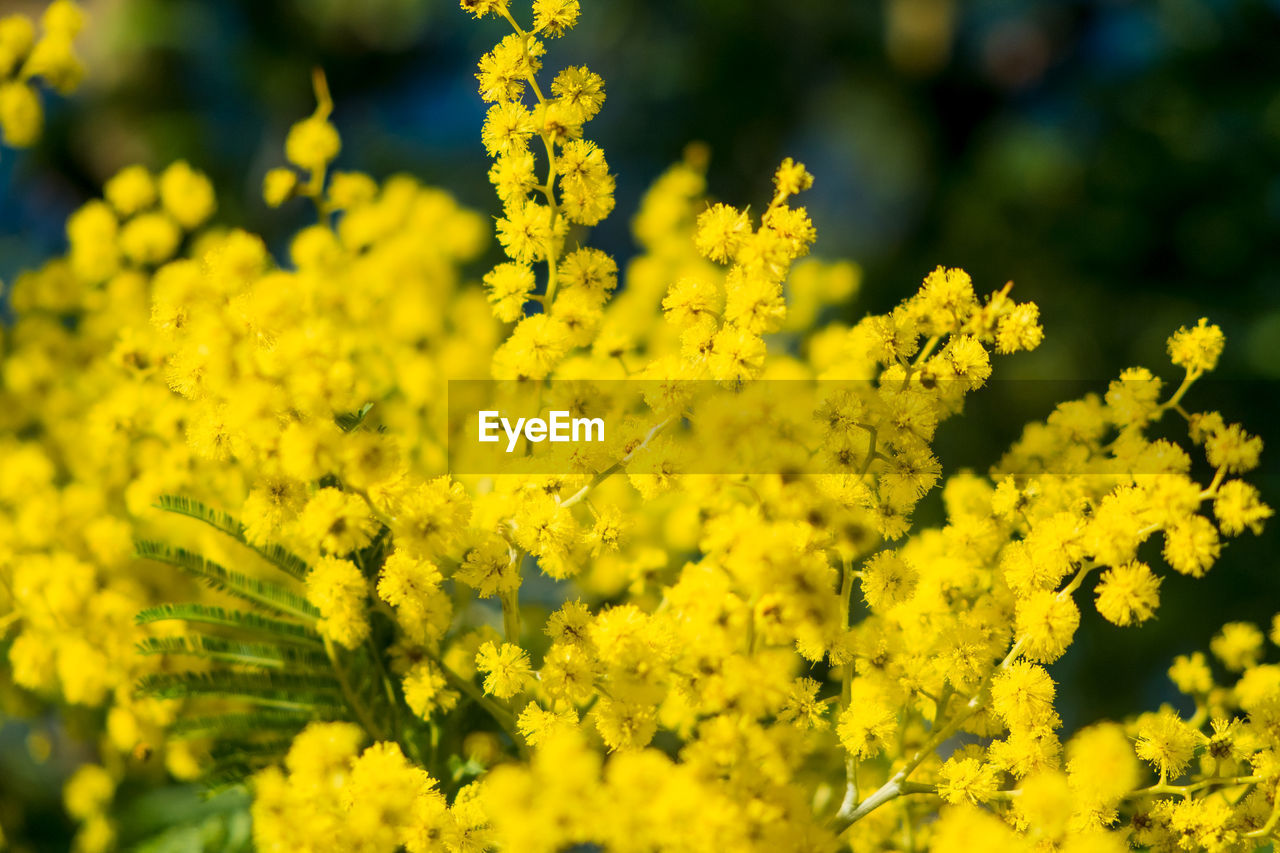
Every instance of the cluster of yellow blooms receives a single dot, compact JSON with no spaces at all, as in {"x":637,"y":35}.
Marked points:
{"x":24,"y":60}
{"x":728,"y":662}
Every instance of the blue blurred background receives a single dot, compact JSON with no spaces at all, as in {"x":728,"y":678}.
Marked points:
{"x":1119,"y":161}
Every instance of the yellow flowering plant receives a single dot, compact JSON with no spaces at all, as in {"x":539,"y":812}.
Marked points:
{"x":26,"y":61}
{"x":230,"y":534}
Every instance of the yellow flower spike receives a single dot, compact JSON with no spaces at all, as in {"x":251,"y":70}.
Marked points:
{"x":26,"y":60}
{"x":313,"y":143}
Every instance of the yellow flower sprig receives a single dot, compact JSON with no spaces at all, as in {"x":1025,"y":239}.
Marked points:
{"x":24,"y":60}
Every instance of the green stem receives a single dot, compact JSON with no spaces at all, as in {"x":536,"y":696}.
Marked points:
{"x":356,"y":708}
{"x":898,"y":785}
{"x":511,"y":614}
{"x":582,"y":493}
{"x":500,"y":715}
{"x":385,"y":678}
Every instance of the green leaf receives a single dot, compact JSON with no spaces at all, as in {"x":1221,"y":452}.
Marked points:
{"x":283,"y":690}
{"x":240,"y":724}
{"x":182,"y":819}
{"x":235,"y":769}
{"x":283,"y":559}
{"x":279,"y":556}
{"x":278,"y":630}
{"x":249,"y":751}
{"x":228,"y":775}
{"x":265,"y":655}
{"x":351,"y":420}
{"x":219,"y":833}
{"x":263,"y":593}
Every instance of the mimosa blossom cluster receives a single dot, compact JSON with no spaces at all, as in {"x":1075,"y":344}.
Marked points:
{"x":227,"y":526}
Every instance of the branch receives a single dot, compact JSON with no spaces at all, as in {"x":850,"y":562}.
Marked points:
{"x":898,"y":785}
{"x":615,"y":467}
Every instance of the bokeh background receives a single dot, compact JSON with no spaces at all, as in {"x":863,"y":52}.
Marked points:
{"x":1118,"y":160}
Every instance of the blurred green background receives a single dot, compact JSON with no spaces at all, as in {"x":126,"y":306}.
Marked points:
{"x":1119,"y":161}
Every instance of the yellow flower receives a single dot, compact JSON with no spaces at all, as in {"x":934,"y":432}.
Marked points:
{"x":187,"y":195}
{"x":538,"y":725}
{"x":510,"y":286}
{"x":488,"y":568}
{"x":1191,"y":546}
{"x":339,"y":591}
{"x":1238,"y":506}
{"x":312,"y":144}
{"x":1101,"y":766}
{"x":88,"y":791}
{"x":554,"y":17}
{"x":426,"y":691}
{"x":581,"y":91}
{"x":1128,"y":594}
{"x":962,"y":779}
{"x":336,"y":521}
{"x":278,"y":186}
{"x":866,"y":726}
{"x":1239,"y":646}
{"x":306,"y":402}
{"x":406,"y":579}
{"x":1022,"y":694}
{"x":149,"y":238}
{"x":722,"y":231}
{"x":1197,"y":349}
{"x":133,"y":189}
{"x":480,"y":8}
{"x":21,"y":116}
{"x":887,"y":580}
{"x":1234,"y":449}
{"x":527,"y":232}
{"x":1046,"y":622}
{"x":17,"y":35}
{"x":505,"y":667}
{"x":1191,"y":674}
{"x":1166,"y":742}
{"x":791,"y":178}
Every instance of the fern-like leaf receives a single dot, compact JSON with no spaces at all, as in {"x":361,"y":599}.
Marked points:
{"x":241,"y":724}
{"x":282,"y":690}
{"x":277,"y":555}
{"x":235,"y":761}
{"x":248,"y":747}
{"x":263,"y":593}
{"x":280,"y":631}
{"x":263,"y":655}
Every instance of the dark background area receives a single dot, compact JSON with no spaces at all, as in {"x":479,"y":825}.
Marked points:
{"x":1119,"y":161}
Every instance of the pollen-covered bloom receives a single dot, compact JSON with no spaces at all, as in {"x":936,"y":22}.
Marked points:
{"x":505,"y":667}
